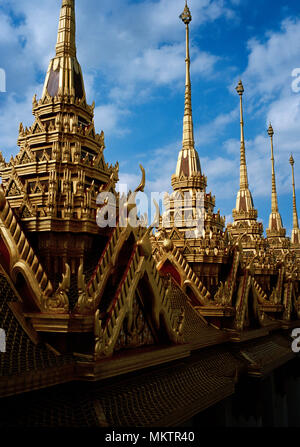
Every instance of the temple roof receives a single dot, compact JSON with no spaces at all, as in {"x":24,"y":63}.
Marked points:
{"x":28,"y":363}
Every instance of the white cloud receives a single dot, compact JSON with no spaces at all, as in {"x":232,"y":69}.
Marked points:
{"x":271,"y":62}
{"x":107,"y":118}
{"x":15,"y":112}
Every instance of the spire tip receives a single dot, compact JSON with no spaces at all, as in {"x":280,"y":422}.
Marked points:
{"x":186,"y":16}
{"x":270,"y":130}
{"x":240,"y":88}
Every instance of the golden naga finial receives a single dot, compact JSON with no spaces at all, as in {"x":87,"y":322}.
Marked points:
{"x":243,"y":165}
{"x":131,"y":203}
{"x":141,"y":186}
{"x":186,"y":16}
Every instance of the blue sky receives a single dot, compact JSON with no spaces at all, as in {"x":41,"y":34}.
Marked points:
{"x":132,"y":56}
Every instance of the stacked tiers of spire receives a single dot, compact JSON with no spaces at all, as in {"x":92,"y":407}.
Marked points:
{"x":64,"y":76}
{"x":243,"y":165}
{"x":66,"y":45}
{"x":188,"y":181}
{"x":244,"y":214}
{"x":275,"y":229}
{"x":188,"y":163}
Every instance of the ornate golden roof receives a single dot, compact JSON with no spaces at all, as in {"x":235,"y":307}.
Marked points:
{"x":80,"y":303}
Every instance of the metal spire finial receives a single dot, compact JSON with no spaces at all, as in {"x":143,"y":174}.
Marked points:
{"x":240,"y":88}
{"x":186,"y":16}
{"x":270,"y":130}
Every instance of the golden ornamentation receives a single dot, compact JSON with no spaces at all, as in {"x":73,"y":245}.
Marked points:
{"x":85,"y":303}
{"x":275,"y":231}
{"x":128,"y":278}
{"x":59,"y":302}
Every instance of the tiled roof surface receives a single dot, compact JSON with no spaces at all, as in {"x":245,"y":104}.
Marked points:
{"x":21,"y":355}
{"x":268,"y":351}
{"x":196,"y":330}
{"x":151,"y":398}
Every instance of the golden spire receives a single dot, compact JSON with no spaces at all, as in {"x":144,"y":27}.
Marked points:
{"x":244,"y":214}
{"x":274,"y":192}
{"x":188,"y":163}
{"x":295,"y":214}
{"x":243,"y":166}
{"x":64,"y":76}
{"x":188,"y":127}
{"x":66,"y":45}
{"x":275,"y":231}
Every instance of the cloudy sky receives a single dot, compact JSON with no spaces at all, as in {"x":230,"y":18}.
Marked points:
{"x":132,"y":56}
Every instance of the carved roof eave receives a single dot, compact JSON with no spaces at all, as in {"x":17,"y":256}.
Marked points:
{"x":48,"y":103}
{"x":194,"y":181}
{"x":54,"y":135}
{"x":41,"y":167}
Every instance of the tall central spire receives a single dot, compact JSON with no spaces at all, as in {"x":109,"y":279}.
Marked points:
{"x":64,"y":77}
{"x":243,"y":166}
{"x":188,"y":180}
{"x":188,"y":164}
{"x":188,"y":127}
{"x":66,"y":45}
{"x":274,"y":206}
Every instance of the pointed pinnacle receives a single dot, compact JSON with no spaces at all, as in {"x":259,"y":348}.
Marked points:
{"x":66,"y":30}
{"x":295,"y":214}
{"x":240,"y":88}
{"x":186,"y":16}
{"x":270,"y":130}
